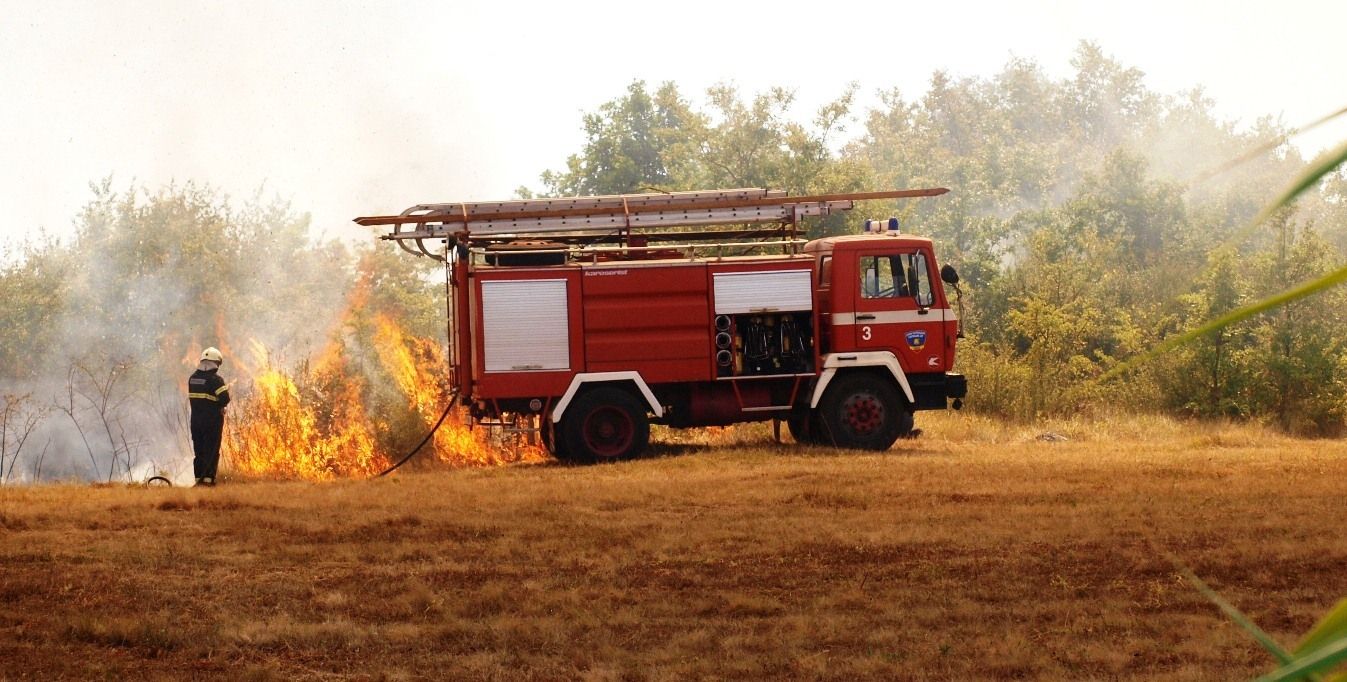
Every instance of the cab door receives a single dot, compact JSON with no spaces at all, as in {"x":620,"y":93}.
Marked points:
{"x":896,"y":308}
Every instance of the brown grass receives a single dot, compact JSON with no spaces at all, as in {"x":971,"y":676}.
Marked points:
{"x":976,"y":551}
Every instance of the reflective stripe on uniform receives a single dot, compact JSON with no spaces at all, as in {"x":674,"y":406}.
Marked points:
{"x":222,"y":389}
{"x":204,"y":396}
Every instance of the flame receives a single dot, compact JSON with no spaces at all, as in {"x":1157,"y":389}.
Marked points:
{"x":340,"y":415}
{"x":280,"y":431}
{"x":418,"y":367}
{"x":193,"y":355}
{"x":317,"y":423}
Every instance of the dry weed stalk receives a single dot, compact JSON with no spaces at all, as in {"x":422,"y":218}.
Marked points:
{"x":19,"y":418}
{"x":99,"y":393}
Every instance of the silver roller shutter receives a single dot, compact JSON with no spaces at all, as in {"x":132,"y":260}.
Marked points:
{"x":525,"y":325}
{"x":773,"y":291}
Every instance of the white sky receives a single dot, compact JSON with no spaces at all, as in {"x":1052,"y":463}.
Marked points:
{"x":359,"y":108}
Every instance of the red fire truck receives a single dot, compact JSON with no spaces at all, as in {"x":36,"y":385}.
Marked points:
{"x":589,"y":318}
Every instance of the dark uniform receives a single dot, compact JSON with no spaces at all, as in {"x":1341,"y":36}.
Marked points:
{"x":208,"y":395}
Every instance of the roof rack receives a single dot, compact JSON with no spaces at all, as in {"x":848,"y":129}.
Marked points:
{"x":625,"y":219}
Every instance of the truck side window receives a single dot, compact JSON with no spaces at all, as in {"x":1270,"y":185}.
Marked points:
{"x":876,"y":277}
{"x":898,"y":276}
{"x":882,"y":277}
{"x":825,"y":272}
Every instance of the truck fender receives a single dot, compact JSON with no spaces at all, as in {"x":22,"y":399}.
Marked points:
{"x":606,"y":377}
{"x":876,"y":358}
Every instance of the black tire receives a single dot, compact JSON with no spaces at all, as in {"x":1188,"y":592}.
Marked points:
{"x":905,"y":423}
{"x":605,"y":424}
{"x":863,"y":411}
{"x":804,"y":427}
{"x":551,"y":437}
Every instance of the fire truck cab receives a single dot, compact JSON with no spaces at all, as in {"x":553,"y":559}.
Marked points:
{"x":589,"y":333}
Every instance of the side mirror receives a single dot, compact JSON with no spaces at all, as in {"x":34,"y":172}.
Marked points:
{"x":948,"y":274}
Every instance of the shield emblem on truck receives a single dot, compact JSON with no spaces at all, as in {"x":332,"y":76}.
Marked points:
{"x":916,"y":339}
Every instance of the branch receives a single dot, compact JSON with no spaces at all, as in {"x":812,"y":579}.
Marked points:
{"x":69,"y":409}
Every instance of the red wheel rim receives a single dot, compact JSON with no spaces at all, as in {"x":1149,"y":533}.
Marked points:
{"x":863,"y":413}
{"x":608,"y":431}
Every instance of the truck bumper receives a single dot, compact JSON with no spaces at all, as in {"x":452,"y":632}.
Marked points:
{"x":956,"y":385}
{"x":934,"y":391}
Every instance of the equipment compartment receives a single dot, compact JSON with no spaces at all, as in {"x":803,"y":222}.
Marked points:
{"x":764,"y":344}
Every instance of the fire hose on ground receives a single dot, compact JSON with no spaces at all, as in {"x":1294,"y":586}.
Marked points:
{"x":448,"y":406}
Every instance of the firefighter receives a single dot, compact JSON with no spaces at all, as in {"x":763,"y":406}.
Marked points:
{"x":208,"y":395}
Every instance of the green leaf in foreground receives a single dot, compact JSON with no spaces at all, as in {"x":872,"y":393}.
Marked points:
{"x":1267,"y":146}
{"x":1332,"y":626}
{"x":1323,"y":648}
{"x":1321,"y":166}
{"x":1317,"y":170}
{"x":1235,"y":614}
{"x":1304,"y":666}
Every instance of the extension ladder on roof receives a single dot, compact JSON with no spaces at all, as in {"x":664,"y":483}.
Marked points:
{"x":614,"y":218}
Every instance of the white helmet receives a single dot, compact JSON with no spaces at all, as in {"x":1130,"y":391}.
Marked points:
{"x":212,"y":354}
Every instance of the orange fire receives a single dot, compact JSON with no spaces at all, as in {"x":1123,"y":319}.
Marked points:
{"x":418,"y":366}
{"x":315,"y":424}
{"x":279,"y":432}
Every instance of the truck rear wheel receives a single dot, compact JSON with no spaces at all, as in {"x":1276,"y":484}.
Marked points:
{"x":804,"y":428}
{"x":863,"y":411}
{"x":605,"y":424}
{"x":550,"y":433}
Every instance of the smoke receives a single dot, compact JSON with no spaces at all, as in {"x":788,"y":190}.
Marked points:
{"x":152,"y":278}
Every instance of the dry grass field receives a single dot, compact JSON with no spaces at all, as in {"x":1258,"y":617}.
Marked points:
{"x":974,"y":552}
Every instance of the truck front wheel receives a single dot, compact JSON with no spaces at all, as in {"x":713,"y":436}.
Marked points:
{"x":605,"y":424}
{"x":863,"y":411}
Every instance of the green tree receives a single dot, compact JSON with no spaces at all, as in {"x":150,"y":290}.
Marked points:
{"x":1211,"y":378}
{"x":633,"y":143}
{"x":1302,"y":344}
{"x":35,"y":288}
{"x":640,"y":143}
